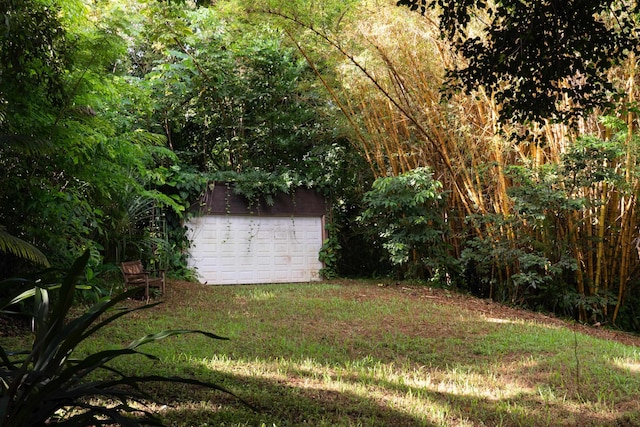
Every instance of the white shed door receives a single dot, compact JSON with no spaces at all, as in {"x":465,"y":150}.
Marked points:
{"x":228,"y":249}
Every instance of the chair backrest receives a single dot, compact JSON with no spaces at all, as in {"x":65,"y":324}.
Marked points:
{"x":132,"y":267}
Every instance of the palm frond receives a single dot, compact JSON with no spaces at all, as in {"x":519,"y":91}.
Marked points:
{"x":20,"y":248}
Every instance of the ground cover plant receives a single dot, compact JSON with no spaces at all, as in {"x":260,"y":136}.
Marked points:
{"x":347,"y":353}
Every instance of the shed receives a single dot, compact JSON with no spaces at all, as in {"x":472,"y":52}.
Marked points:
{"x":235,"y":241}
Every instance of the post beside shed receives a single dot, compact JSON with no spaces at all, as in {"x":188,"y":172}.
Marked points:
{"x":237,"y":241}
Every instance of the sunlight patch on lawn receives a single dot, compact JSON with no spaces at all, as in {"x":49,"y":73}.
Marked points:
{"x":261,"y":295}
{"x":416,"y":392}
{"x":630,"y":361}
{"x":496,"y":320}
{"x":479,"y":385}
{"x":520,"y":322}
{"x":627,"y":365}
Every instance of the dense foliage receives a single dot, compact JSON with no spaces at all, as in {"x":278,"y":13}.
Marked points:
{"x":77,"y":167}
{"x":546,"y":221}
{"x":114,"y":116}
{"x":405,"y":213}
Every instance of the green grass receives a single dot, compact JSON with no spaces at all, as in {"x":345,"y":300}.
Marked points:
{"x":359,"y":354}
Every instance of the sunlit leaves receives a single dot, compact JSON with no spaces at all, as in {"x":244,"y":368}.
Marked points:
{"x":234,"y":98}
{"x":76,"y":135}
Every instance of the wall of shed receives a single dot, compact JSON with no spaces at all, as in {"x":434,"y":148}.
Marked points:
{"x":235,"y":242}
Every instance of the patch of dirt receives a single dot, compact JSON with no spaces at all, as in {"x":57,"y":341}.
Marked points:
{"x":13,"y":326}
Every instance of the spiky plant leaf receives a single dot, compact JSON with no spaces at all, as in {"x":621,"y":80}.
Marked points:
{"x":47,"y":386}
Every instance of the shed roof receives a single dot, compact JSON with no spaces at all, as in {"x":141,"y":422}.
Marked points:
{"x":220,"y":199}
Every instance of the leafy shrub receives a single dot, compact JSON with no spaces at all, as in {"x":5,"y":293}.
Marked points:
{"x":46,"y":385}
{"x":519,"y":258}
{"x":518,"y":271}
{"x":329,"y":253}
{"x":405,"y":213}
{"x":529,"y":257}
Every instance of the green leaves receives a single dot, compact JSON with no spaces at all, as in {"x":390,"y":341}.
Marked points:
{"x":76,"y":135}
{"x":233,"y":96}
{"x":405,"y":213}
{"x":21,"y":248}
{"x":33,"y":53}
{"x":541,"y":60}
{"x":105,"y":104}
{"x":592,"y":160}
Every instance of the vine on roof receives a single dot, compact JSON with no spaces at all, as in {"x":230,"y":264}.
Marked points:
{"x":258,"y":185}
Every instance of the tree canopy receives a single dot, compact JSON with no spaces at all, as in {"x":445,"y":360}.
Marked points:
{"x":542,"y":60}
{"x":114,"y":115}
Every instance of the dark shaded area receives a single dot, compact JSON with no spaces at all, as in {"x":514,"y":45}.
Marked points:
{"x":280,"y":404}
{"x":14,"y":325}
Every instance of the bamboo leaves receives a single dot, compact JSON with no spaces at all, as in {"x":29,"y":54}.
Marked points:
{"x":551,"y":214}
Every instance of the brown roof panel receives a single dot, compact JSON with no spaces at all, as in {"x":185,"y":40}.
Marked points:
{"x":220,"y":199}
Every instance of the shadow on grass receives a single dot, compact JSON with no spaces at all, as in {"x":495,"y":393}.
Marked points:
{"x":280,"y":404}
{"x":538,"y":361}
{"x":298,"y":400}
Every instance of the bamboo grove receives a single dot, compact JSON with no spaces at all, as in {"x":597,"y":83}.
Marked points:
{"x":548,"y":219}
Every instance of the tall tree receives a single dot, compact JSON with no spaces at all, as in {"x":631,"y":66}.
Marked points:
{"x":72,"y":148}
{"x":543,"y":59}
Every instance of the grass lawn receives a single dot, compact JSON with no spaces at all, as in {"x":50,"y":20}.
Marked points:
{"x":354,"y":353}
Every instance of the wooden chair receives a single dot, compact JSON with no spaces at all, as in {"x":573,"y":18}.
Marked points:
{"x":135,"y":275}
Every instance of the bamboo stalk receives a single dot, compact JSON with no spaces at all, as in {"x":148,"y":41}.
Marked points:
{"x":601,"y":226}
{"x":627,"y":247}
